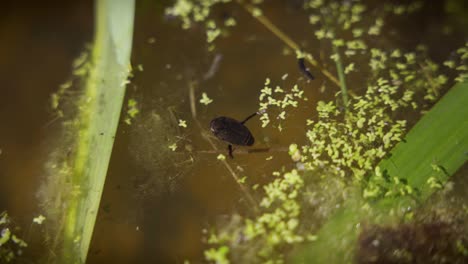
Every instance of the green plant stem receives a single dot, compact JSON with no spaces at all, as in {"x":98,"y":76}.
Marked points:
{"x":98,"y":116}
{"x":285,"y":38}
{"x":341,"y":76}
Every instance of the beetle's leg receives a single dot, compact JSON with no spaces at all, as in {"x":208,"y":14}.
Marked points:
{"x":230,"y":151}
{"x":250,"y":116}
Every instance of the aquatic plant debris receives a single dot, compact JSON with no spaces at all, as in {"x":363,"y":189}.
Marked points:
{"x":173,"y":146}
{"x":205,"y":99}
{"x":132,"y":111}
{"x":39,"y":219}
{"x":11,"y":246}
{"x":182,"y":123}
{"x":218,"y":255}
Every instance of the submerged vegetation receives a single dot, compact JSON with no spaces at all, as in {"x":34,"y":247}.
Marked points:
{"x":338,"y":163}
{"x":11,"y":246}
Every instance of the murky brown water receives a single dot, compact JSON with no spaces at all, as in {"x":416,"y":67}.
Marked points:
{"x":143,"y":219}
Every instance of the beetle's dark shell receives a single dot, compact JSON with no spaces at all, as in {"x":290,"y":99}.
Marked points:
{"x":232,"y":131}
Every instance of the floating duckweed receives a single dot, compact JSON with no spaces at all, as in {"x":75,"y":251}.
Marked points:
{"x":278,"y":100}
{"x":39,"y":219}
{"x":462,"y":65}
{"x":205,"y":99}
{"x":182,"y":123}
{"x":364,"y":137}
{"x":279,"y":223}
{"x":334,"y":57}
{"x":300,"y":54}
{"x":11,"y":246}
{"x":434,"y":183}
{"x":242,"y":180}
{"x":282,"y":115}
{"x":357,"y":32}
{"x":338,"y":42}
{"x":173,"y":147}
{"x":256,"y":12}
{"x":294,"y":152}
{"x":410,"y":58}
{"x":349,"y":68}
{"x":196,"y":11}
{"x":279,"y":90}
{"x":313,"y":19}
{"x":230,"y":22}
{"x":320,"y":34}
{"x":212,"y":34}
{"x":396,"y":54}
{"x":132,"y":111}
{"x":221,"y":157}
{"x":218,"y":255}
{"x":461,"y":248}
{"x":375,"y":29}
{"x":315,"y":3}
{"x":356,"y":45}
{"x":265,"y":119}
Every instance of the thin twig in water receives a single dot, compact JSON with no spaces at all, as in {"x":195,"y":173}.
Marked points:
{"x":214,"y":67}
{"x":193,"y":105}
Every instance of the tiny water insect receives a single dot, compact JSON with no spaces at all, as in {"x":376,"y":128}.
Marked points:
{"x":304,"y":69}
{"x":232,"y":131}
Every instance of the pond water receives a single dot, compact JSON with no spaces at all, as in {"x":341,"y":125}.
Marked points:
{"x":157,"y":202}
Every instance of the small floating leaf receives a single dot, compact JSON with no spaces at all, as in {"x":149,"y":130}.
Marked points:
{"x":173,"y":147}
{"x":39,"y":219}
{"x":182,"y":123}
{"x":205,"y":99}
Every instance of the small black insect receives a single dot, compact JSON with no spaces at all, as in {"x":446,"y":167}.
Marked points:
{"x":304,"y":69}
{"x":232,"y":131}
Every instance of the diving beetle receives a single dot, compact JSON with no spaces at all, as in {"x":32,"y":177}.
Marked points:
{"x":232,"y":131}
